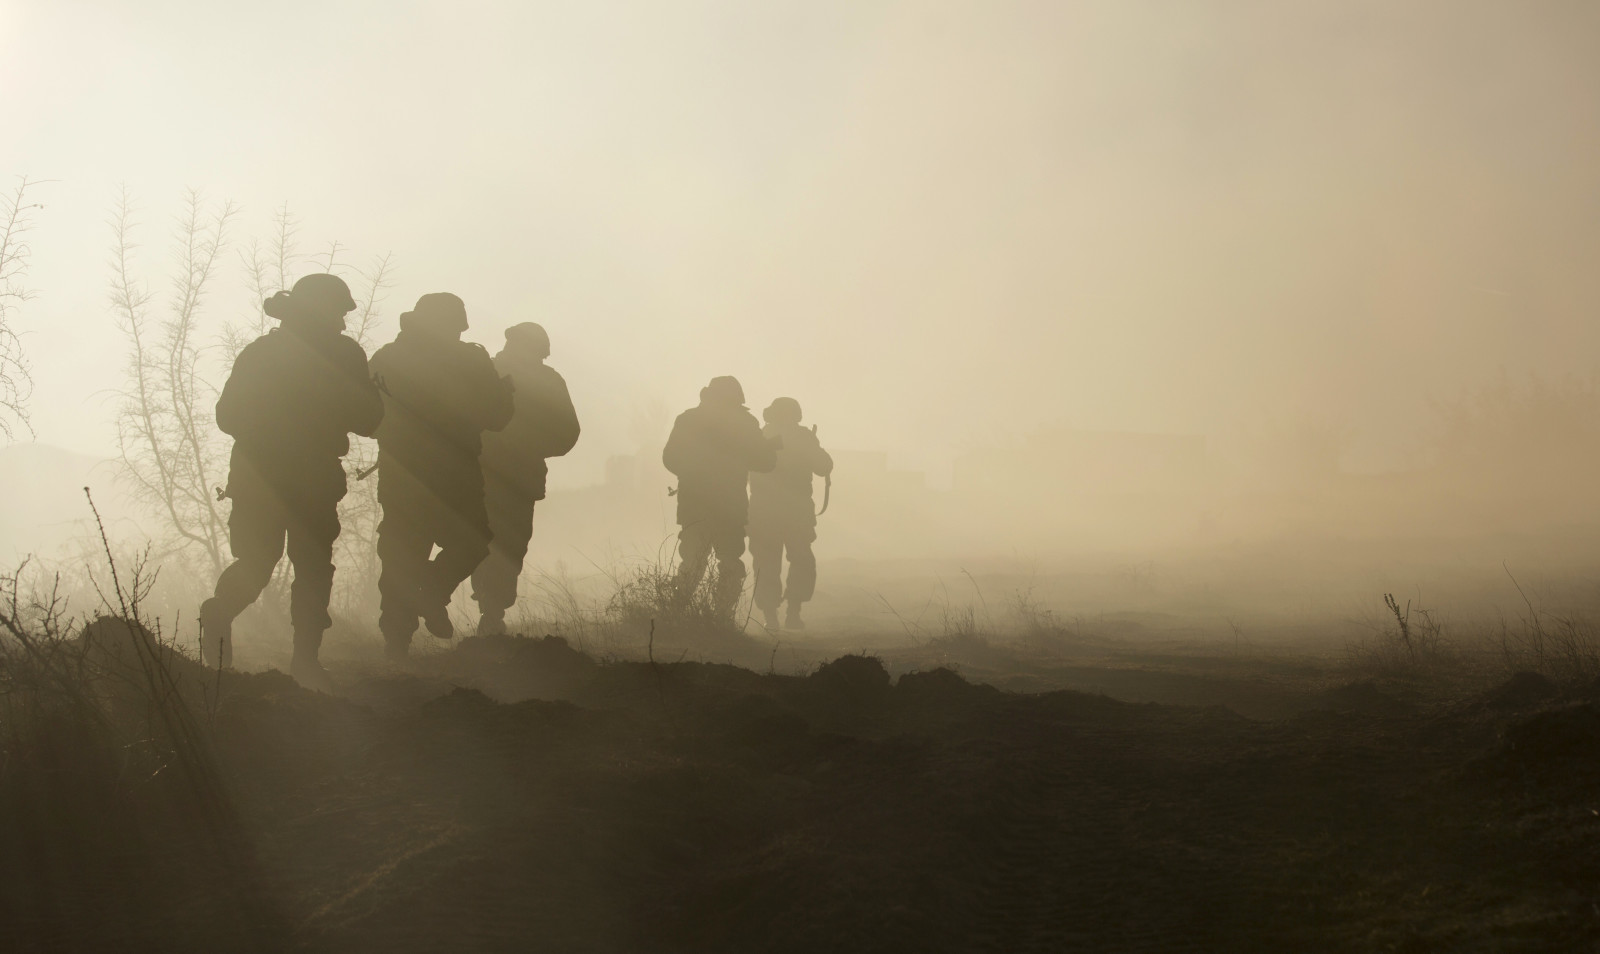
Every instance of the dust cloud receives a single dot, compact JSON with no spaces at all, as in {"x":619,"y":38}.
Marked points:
{"x":1232,"y":357}
{"x":1065,"y":279}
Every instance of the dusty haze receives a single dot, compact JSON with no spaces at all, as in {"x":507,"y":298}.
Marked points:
{"x":1285,"y":234}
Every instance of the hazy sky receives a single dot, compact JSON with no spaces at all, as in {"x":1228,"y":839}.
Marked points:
{"x":935,"y":224}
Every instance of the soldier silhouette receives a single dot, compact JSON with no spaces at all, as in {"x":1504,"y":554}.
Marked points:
{"x":712,"y":450}
{"x":543,"y":425}
{"x":290,"y":403}
{"x":783,"y":515}
{"x":440,"y":394}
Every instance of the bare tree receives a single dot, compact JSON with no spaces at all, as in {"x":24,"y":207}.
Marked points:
{"x":170,"y":450}
{"x":268,"y":268}
{"x":16,"y":383}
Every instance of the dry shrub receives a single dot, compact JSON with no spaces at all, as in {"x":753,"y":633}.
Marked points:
{"x":1407,"y":640}
{"x":614,"y":612}
{"x":116,"y":825}
{"x":1564,"y":648}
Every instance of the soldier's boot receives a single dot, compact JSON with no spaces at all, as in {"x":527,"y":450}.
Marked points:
{"x":216,"y":636}
{"x":397,"y":625}
{"x":492,"y":623}
{"x":725,"y":606}
{"x":729,"y":590}
{"x":305,"y":667}
{"x":436,"y":610}
{"x":437,"y":619}
{"x":791,"y":618}
{"x":769,"y":617}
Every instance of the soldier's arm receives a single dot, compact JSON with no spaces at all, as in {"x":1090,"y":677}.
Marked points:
{"x":495,"y":392}
{"x":822,"y":462}
{"x":762,"y":450}
{"x":672,"y":455}
{"x":563,"y":418}
{"x":242,"y":396}
{"x":362,"y":404}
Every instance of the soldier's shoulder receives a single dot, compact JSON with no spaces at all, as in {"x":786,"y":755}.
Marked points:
{"x":265,"y":343}
{"x":471,"y":352}
{"x":347,"y":349}
{"x":349,"y":345}
{"x":270,"y":348}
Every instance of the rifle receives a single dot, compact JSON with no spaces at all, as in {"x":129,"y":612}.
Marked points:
{"x":827,"y":484}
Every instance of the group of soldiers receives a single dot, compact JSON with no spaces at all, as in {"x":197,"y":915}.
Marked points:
{"x":717,"y":450}
{"x":463,"y":440}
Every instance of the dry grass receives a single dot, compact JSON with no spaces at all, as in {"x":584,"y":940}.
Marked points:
{"x":106,"y":753}
{"x":612,"y":613}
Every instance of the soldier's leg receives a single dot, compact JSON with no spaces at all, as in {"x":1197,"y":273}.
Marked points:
{"x":802,"y":584}
{"x":463,"y":537}
{"x":494,"y":582}
{"x":766,"y":561}
{"x":729,"y":544}
{"x":403,"y":548}
{"x":312,"y":532}
{"x":694,"y":551}
{"x":802,"y":572}
{"x":256,"y":529}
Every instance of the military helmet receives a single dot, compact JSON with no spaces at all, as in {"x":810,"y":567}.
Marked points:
{"x":439,"y":312}
{"x":723,"y":390}
{"x":529,"y":334}
{"x":784,"y":410}
{"x":314,"y":296}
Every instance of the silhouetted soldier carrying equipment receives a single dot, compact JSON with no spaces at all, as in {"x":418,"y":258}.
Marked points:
{"x":543,"y":425}
{"x":783,"y":515}
{"x":441,"y":394}
{"x":712,"y":450}
{"x":293,"y":398}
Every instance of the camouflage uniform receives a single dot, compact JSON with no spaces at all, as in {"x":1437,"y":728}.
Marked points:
{"x":783,"y":514}
{"x":440,"y":395}
{"x":543,"y":425}
{"x":293,"y":398}
{"x":712,"y":450}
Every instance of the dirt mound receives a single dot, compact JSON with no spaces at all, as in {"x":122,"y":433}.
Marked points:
{"x":123,"y":647}
{"x":1522,"y":691}
{"x":1560,"y":738}
{"x":940,"y":694}
{"x":512,"y":668}
{"x":844,"y":693}
{"x":1557,"y":747}
{"x":1362,"y":697}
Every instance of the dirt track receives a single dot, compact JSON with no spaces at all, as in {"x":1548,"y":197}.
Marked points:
{"x":696,"y":807}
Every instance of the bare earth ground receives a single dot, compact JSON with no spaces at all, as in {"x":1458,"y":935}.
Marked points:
{"x":512,"y":794}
